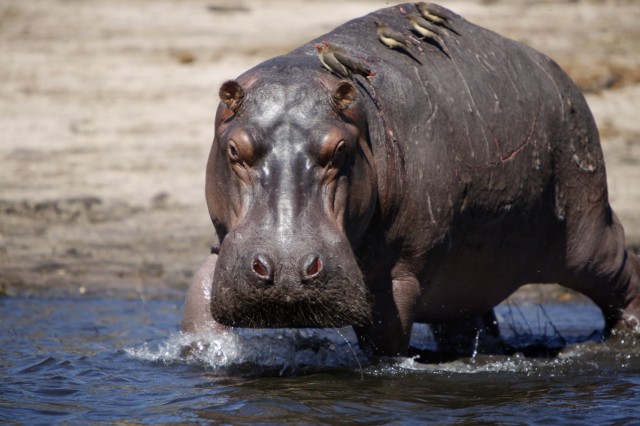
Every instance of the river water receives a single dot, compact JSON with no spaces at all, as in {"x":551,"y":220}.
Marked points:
{"x":104,"y":360}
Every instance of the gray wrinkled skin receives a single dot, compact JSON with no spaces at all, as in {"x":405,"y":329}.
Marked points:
{"x":462,"y":178}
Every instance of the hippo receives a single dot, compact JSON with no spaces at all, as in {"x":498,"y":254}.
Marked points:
{"x":459,"y":166}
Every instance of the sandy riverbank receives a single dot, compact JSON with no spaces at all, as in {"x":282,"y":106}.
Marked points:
{"x":106,"y":116}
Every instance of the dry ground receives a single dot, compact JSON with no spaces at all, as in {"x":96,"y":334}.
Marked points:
{"x":106,"y":115}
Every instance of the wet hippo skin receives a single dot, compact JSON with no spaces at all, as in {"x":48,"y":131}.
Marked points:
{"x":382,"y":175}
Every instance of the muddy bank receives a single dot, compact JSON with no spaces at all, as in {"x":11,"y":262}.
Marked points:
{"x":106,"y":116}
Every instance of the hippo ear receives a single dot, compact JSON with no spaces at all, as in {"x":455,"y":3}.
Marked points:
{"x":232,"y":94}
{"x":343,"y":95}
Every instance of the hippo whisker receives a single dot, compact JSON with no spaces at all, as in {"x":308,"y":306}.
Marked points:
{"x":353,"y":352}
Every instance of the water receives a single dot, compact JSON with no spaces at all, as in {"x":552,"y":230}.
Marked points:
{"x":90,"y":360}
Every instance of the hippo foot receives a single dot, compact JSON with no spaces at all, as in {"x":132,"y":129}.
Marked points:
{"x":468,"y":336}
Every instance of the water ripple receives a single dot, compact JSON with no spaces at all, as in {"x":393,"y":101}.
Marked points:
{"x":84,"y":361}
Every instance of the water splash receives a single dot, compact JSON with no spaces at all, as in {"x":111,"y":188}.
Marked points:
{"x":301,"y":351}
{"x":279,"y":350}
{"x":481,"y":364}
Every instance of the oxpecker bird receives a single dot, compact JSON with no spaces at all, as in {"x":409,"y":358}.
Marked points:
{"x":393,"y":40}
{"x":426,"y":29}
{"x":428,"y":12}
{"x":336,"y":60}
{"x":422,"y":26}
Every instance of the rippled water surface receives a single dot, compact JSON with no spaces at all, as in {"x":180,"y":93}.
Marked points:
{"x":83,"y":360}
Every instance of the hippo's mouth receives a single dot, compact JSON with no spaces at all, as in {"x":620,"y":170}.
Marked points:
{"x":325,"y":306}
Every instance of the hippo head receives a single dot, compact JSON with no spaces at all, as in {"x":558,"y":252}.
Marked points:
{"x":291,"y":189}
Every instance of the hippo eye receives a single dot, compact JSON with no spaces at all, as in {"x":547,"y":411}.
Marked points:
{"x":232,"y":151}
{"x":339,"y":153}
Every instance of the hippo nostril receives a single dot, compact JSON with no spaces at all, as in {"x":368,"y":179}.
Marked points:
{"x":315,"y":267}
{"x":261,"y":267}
{"x":312,"y":266}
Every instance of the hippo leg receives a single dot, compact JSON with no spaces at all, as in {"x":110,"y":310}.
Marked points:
{"x":466,"y":335}
{"x":600,"y":267}
{"x":197,"y":308}
{"x":392,"y":318}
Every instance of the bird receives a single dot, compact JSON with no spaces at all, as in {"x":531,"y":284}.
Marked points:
{"x":423,"y":27}
{"x":429,"y":13}
{"x":393,"y":40}
{"x":427,"y":30}
{"x":337,"y":61}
